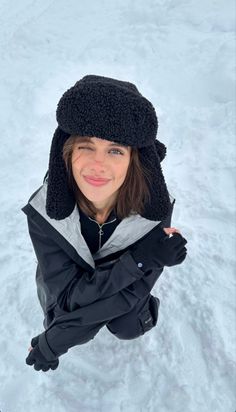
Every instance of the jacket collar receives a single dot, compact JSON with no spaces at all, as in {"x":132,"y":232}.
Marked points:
{"x":125,"y":234}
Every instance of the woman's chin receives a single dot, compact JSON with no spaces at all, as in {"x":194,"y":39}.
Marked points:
{"x":95,"y":198}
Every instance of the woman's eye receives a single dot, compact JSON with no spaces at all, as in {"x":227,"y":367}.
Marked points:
{"x":117,"y":150}
{"x":84,"y":147}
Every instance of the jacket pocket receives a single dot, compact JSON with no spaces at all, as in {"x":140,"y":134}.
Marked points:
{"x":148,"y":317}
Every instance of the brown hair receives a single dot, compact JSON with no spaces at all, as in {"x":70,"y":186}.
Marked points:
{"x":132,"y":195}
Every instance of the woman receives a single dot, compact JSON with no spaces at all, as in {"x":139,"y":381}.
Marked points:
{"x":99,"y":223}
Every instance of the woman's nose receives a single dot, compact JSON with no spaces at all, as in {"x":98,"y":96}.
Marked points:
{"x":98,"y":163}
{"x":99,"y":156}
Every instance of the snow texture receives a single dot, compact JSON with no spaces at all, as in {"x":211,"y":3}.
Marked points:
{"x":181,"y":55}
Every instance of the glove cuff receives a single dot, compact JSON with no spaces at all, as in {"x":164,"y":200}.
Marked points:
{"x":45,"y":348}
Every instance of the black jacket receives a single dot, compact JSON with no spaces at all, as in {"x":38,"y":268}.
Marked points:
{"x":78,"y":289}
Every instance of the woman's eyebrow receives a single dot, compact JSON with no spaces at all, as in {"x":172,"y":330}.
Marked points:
{"x":118,"y":144}
{"x":88,"y":140}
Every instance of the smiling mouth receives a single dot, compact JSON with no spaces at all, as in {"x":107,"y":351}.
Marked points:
{"x":96,"y":182}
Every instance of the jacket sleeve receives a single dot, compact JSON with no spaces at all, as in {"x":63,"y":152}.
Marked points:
{"x":83,"y":304}
{"x":70,"y":328}
{"x":78,"y":327}
{"x":59,"y":279}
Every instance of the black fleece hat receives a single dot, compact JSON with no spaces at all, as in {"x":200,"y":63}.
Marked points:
{"x":113,"y":110}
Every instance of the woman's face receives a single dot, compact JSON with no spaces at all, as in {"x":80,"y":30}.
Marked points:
{"x":99,"y":159}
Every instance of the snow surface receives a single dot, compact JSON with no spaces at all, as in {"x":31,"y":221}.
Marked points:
{"x":181,"y":55}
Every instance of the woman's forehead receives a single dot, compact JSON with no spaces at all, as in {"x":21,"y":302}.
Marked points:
{"x":97,"y":140}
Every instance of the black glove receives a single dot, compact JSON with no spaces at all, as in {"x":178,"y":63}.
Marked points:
{"x":37,"y":359}
{"x":158,"y":249}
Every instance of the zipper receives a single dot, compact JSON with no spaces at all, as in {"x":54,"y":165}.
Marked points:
{"x":100,"y":232}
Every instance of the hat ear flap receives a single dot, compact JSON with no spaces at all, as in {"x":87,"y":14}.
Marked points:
{"x":60,"y":200}
{"x":161,"y":149}
{"x":159,"y":206}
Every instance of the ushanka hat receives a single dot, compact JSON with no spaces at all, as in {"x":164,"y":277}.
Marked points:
{"x":113,"y":110}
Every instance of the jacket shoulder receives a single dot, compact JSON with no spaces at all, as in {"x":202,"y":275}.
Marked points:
{"x":27,"y":207}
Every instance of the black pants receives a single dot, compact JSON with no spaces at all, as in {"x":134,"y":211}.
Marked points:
{"x":136,"y":322}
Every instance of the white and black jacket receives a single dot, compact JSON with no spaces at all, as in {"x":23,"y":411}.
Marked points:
{"x":77,"y":289}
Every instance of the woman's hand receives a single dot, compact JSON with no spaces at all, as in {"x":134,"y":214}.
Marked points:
{"x":37,"y":359}
{"x":170,"y":230}
{"x":34,"y":342}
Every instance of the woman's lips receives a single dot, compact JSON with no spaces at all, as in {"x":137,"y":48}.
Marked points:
{"x":96,"y":182}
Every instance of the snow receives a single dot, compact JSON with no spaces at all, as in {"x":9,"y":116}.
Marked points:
{"x":181,"y":55}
